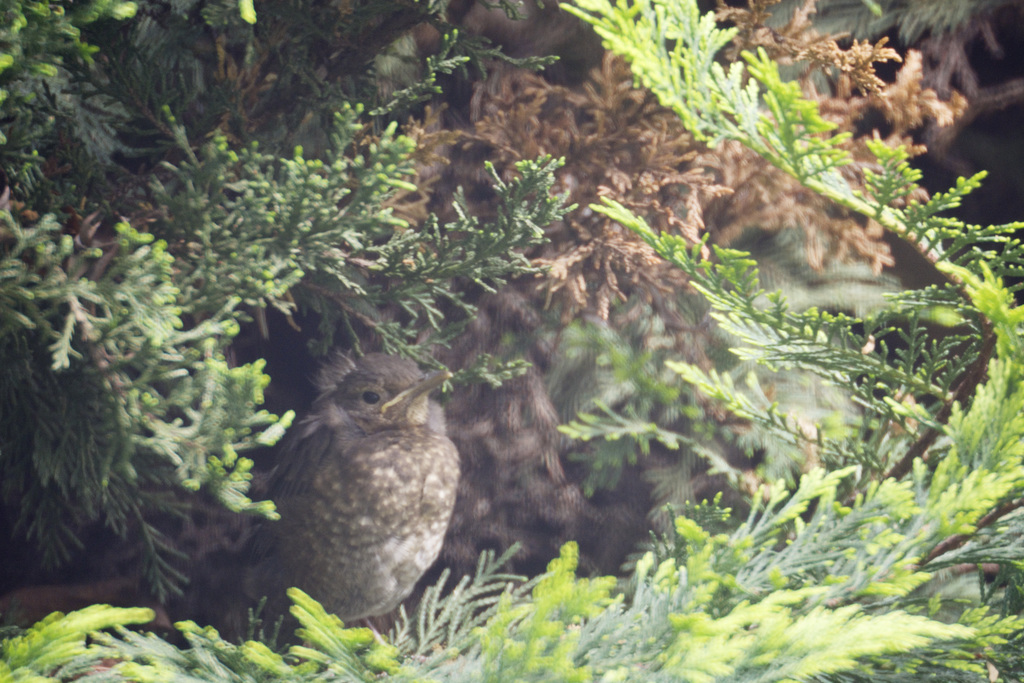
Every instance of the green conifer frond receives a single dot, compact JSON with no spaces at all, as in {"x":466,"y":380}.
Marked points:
{"x":885,"y":520}
{"x":58,"y":648}
{"x":142,"y":325}
{"x":118,"y":340}
{"x":445,"y":622}
{"x":787,"y":130}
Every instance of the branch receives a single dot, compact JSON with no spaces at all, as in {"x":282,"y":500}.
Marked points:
{"x":340,"y":300}
{"x":958,"y":540}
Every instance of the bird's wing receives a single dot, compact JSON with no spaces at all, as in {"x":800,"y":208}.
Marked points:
{"x":302,"y":458}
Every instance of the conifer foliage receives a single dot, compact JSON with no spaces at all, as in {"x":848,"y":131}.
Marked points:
{"x":171,"y":172}
{"x":843,"y":574}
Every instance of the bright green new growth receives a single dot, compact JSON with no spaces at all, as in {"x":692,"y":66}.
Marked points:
{"x":539,"y":639}
{"x":57,"y":649}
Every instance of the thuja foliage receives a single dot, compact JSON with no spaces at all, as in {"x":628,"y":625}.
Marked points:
{"x":171,"y":171}
{"x":804,"y":588}
{"x":327,"y":227}
{"x":838,"y":577}
{"x":57,"y":648}
{"x":926,"y":368}
{"x":907,"y":378}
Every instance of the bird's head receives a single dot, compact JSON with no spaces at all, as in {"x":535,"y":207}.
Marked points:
{"x":381,"y":392}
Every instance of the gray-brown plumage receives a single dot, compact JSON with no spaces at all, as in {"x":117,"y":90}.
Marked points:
{"x":365,"y":488}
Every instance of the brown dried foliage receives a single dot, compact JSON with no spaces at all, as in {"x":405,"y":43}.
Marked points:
{"x":797,"y":41}
{"x":618,"y":142}
{"x":771,"y":200}
{"x":907,"y":104}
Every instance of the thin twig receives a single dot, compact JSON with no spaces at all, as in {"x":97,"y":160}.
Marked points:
{"x":957,"y":540}
{"x":340,"y":300}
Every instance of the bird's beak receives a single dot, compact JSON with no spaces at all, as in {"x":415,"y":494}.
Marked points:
{"x":422,"y":388}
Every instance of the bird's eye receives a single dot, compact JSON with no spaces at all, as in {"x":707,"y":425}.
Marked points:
{"x":370,"y":397}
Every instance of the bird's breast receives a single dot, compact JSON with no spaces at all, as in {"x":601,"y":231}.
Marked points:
{"x":385,"y":489}
{"x":373,"y":520}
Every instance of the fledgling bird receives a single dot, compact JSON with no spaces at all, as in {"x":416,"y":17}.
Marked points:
{"x":365,"y":488}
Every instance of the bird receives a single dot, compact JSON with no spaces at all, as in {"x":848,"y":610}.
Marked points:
{"x":365,"y":489}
